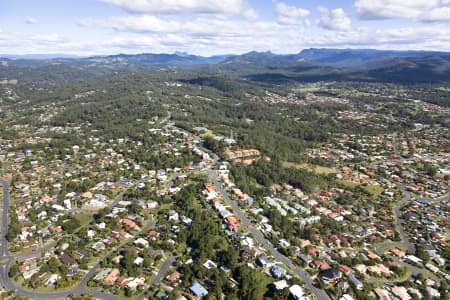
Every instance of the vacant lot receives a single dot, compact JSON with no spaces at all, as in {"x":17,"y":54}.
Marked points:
{"x":311,"y":167}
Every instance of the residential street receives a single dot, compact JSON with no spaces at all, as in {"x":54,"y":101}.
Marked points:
{"x":162,"y":271}
{"x":6,"y":261}
{"x":319,"y":293}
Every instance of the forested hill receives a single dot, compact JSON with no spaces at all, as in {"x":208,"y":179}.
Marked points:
{"x":306,"y":66}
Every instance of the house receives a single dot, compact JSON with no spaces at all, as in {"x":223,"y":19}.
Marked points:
{"x":277,"y":271}
{"x":372,"y":255}
{"x":91,"y":233}
{"x":122,"y":281}
{"x":131,"y":224}
{"x":296,"y":292}
{"x":52,"y":279}
{"x":330,"y":275}
{"x":401,"y":293}
{"x":102,"y":274}
{"x":304,"y":243}
{"x":346,"y":270}
{"x":133,"y":284}
{"x":141,"y":242}
{"x":232,"y":223}
{"x":265,"y":262}
{"x":305,"y":258}
{"x":249,"y":201}
{"x":382,"y":294}
{"x":414,"y":259}
{"x":30,"y":272}
{"x":173,"y":216}
{"x":125,"y":234}
{"x":209,"y":265}
{"x":224,"y":213}
{"x":398,"y":253}
{"x":138,"y":261}
{"x":98,"y":246}
{"x":284,"y":243}
{"x":198,"y":290}
{"x":29,"y":244}
{"x":280,"y":285}
{"x":356,"y":282}
{"x":174,"y":277}
{"x":68,"y":260}
{"x":186,"y":221}
{"x":112,"y":276}
{"x":153,"y":235}
{"x":433,"y":292}
{"x":380,"y":269}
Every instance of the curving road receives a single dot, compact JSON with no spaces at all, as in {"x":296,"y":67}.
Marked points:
{"x":6,"y":260}
{"x":162,"y":271}
{"x":81,"y":288}
{"x":397,"y":213}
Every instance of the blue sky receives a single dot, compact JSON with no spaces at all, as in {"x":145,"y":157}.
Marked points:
{"x":208,"y":27}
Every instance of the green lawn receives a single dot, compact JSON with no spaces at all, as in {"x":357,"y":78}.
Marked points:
{"x":374,"y":190}
{"x":347,"y":183}
{"x":84,"y":219}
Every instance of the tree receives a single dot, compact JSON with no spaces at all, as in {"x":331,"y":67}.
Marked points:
{"x":13,"y":270}
{"x":71,"y":225}
{"x":422,"y":254}
{"x":251,"y":283}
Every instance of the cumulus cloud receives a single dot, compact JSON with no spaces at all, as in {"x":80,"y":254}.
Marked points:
{"x":228,"y":7}
{"x":262,"y":37}
{"x":201,"y":26}
{"x":206,"y":34}
{"x":440,"y":14}
{"x":290,"y":14}
{"x":228,"y":32}
{"x":421,"y":10}
{"x":335,"y":19}
{"x":31,"y":20}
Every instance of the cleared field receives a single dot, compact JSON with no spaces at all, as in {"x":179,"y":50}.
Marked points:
{"x":84,"y":219}
{"x":374,"y":190}
{"x":310,"y":167}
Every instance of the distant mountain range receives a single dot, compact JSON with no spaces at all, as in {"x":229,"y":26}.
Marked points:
{"x":308,"y":65}
{"x":38,"y":56}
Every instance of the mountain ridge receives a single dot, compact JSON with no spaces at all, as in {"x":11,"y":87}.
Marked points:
{"x":312,"y":64}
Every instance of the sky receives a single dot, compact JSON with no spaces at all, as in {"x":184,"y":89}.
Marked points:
{"x":215,"y":27}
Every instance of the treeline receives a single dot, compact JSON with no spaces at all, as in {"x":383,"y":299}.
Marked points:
{"x":206,"y":239}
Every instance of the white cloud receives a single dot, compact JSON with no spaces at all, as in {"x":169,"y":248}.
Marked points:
{"x":421,"y":10}
{"x":250,"y":13}
{"x":290,"y":11}
{"x":267,"y":36}
{"x":228,"y":7}
{"x":201,"y":26}
{"x":48,"y":38}
{"x":440,"y":14}
{"x":206,"y":35}
{"x":223,"y":34}
{"x":433,"y":37}
{"x":335,"y":19}
{"x":31,"y":20}
{"x":290,"y":14}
